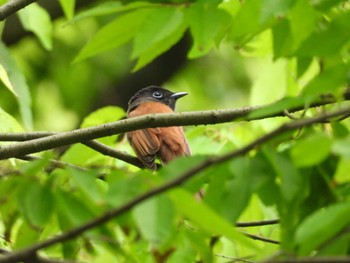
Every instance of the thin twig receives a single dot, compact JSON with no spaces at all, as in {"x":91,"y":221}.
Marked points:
{"x":258,"y":223}
{"x":264,"y":239}
{"x":335,"y":259}
{"x":12,"y":7}
{"x":22,"y":254}
{"x":233,"y":259}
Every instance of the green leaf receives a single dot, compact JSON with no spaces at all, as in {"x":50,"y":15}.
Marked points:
{"x":103,"y":115}
{"x":204,"y":217}
{"x":291,"y":180}
{"x":332,"y":36}
{"x":343,"y":168}
{"x":159,"y":24}
{"x":36,"y":203}
{"x":122,"y":190}
{"x":264,"y":180}
{"x":163,"y":27}
{"x":156,"y":220}
{"x":35,"y":18}
{"x":158,"y":48}
{"x":328,"y":80}
{"x":184,"y":252}
{"x":6,"y":81}
{"x":68,"y":8}
{"x":19,"y":85}
{"x":86,"y":181}
{"x":256,"y":16}
{"x":342,"y":147}
{"x":198,"y":241}
{"x":321,"y":226}
{"x":206,"y":22}
{"x":290,"y":33}
{"x":237,"y":190}
{"x":324,"y":5}
{"x":302,"y":154}
{"x":26,"y":236}
{"x":8,"y":123}
{"x":114,"y":34}
{"x":72,"y":211}
{"x":107,"y":8}
{"x":276,"y":107}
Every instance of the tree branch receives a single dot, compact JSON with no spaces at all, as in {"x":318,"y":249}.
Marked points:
{"x":22,"y":254}
{"x":95,"y":145}
{"x":264,"y":239}
{"x":12,"y":7}
{"x":148,"y":121}
{"x":258,"y":223}
{"x":311,"y":260}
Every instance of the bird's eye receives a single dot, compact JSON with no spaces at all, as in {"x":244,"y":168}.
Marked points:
{"x":157,"y":94}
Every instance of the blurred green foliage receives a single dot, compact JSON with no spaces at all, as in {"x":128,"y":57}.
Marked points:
{"x":250,"y":52}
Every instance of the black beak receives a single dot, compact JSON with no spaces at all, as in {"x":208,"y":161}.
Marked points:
{"x":178,"y":95}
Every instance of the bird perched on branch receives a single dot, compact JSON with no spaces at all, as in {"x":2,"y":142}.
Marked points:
{"x":166,"y":143}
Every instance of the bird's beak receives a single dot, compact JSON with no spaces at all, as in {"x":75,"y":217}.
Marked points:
{"x":178,"y":95}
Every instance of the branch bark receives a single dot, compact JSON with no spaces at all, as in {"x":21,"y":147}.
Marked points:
{"x":12,"y":7}
{"x":148,"y":121}
{"x":28,"y":252}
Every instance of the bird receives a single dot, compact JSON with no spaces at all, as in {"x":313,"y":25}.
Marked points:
{"x":164,"y":143}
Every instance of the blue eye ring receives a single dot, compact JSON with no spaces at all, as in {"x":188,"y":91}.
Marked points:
{"x":157,"y":94}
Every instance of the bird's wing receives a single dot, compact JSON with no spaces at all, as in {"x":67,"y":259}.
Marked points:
{"x":145,"y":144}
{"x":173,"y":144}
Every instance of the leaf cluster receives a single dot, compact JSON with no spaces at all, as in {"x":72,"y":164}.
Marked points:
{"x":82,"y":205}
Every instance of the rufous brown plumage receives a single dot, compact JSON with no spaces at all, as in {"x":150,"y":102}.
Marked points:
{"x":166,"y":143}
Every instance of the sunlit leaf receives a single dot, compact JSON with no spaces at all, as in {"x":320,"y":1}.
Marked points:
{"x":276,"y":107}
{"x":257,"y":15}
{"x":103,"y":115}
{"x":197,"y":240}
{"x":342,"y":172}
{"x":106,"y":8}
{"x":8,"y":123}
{"x":206,"y":22}
{"x":158,"y":48}
{"x":5,"y":80}
{"x":68,"y":7}
{"x":36,"y":19}
{"x":342,"y":147}
{"x":321,"y":226}
{"x":203,"y":216}
{"x":289,"y":33}
{"x":303,"y":156}
{"x":329,"y":80}
{"x":114,"y":34}
{"x":19,"y":85}
{"x":26,"y":236}
{"x":332,"y":36}
{"x":159,"y":24}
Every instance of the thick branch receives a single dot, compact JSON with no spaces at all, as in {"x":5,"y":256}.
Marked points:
{"x":12,"y":7}
{"x":20,"y":255}
{"x":152,"y":120}
{"x":95,"y":145}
